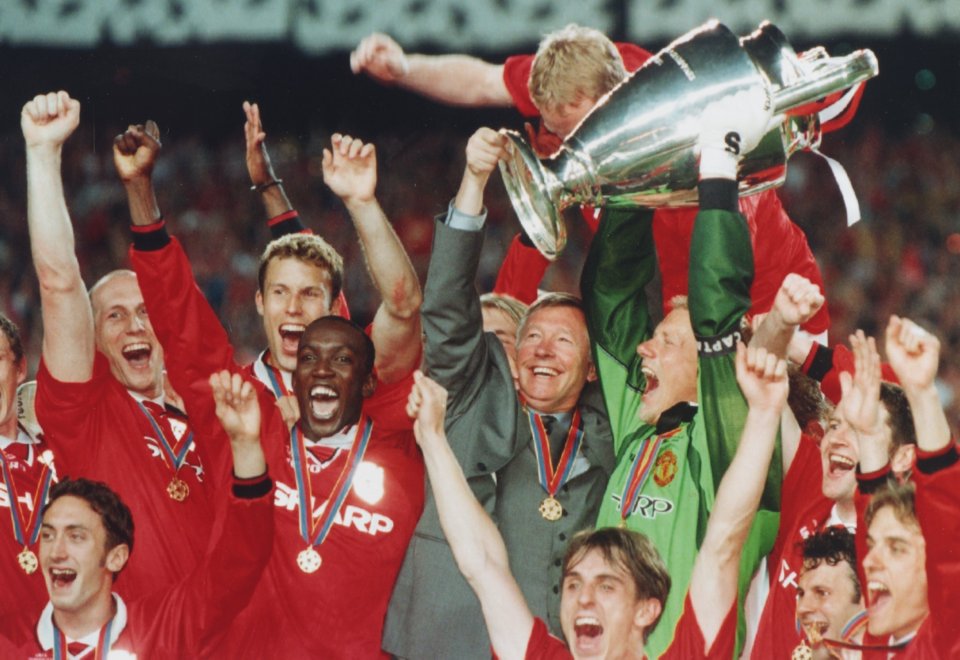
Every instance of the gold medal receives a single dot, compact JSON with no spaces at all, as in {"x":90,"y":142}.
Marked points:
{"x":178,"y":489}
{"x":309,"y":560}
{"x":802,"y":652}
{"x":28,"y":561}
{"x":551,"y":509}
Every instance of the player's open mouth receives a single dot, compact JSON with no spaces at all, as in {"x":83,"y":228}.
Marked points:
{"x":138,"y":354}
{"x":588,"y":631}
{"x":62,"y":577}
{"x":652,"y":381}
{"x":324,"y":402}
{"x":878,"y":595}
{"x":840,"y":464}
{"x":290,"y":334}
{"x":587,"y":626}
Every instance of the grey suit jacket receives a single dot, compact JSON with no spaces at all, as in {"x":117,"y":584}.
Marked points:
{"x":433,"y":612}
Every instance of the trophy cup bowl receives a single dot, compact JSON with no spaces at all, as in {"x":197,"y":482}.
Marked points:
{"x":638,"y":146}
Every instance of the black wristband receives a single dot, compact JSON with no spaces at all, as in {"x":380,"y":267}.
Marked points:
{"x":150,"y":238}
{"x":870,"y":483}
{"x":259,"y":188}
{"x":821,"y":363}
{"x":941,"y":460}
{"x":719,"y":195}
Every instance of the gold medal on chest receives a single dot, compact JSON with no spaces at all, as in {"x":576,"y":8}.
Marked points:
{"x":551,"y":509}
{"x":178,"y":489}
{"x":802,"y":652}
{"x":27,"y":560}
{"x":309,"y":560}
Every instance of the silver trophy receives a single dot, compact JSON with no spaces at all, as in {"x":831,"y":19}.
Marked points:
{"x":638,"y":146}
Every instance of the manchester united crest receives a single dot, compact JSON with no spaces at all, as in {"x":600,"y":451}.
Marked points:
{"x":666,"y":468}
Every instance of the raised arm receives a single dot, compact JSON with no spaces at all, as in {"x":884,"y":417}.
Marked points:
{"x":721,"y":274}
{"x":476,"y":543}
{"x":238,"y":410}
{"x":619,"y":265}
{"x":262,"y":177}
{"x":194,"y":342}
{"x":860,"y":403}
{"x":350,"y":170}
{"x":713,"y":586}
{"x":135,"y":153}
{"x":452,"y":320}
{"x":797,"y":301}
{"x":485,"y":148}
{"x":68,"y":340}
{"x":452,"y":79}
{"x":914,"y":355}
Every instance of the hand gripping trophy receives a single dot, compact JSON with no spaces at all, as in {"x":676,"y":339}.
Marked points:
{"x":638,"y":146}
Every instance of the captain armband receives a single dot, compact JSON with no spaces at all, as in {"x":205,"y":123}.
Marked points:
{"x":719,"y":344}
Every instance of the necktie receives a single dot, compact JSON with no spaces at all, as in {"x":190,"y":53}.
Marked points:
{"x":162,"y":417}
{"x":556,"y":435}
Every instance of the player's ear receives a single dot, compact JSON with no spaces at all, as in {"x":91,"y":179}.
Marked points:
{"x":369,"y":385}
{"x":259,"y":300}
{"x":903,"y":458}
{"x":646,"y":612}
{"x":117,"y":557}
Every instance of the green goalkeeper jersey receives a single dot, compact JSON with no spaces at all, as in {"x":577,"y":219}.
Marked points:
{"x":681,"y":461}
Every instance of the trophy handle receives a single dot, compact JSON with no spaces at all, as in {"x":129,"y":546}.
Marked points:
{"x":828,"y":75}
{"x":537,"y":194}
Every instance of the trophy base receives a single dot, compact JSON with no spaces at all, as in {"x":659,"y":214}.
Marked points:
{"x":529,"y":186}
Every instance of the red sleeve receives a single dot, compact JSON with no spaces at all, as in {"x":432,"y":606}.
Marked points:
{"x":516,"y":76}
{"x":192,"y":337}
{"x":672,"y":232}
{"x":937,"y":502}
{"x":860,"y":503}
{"x":198,"y":611}
{"x":194,"y":342}
{"x":63,"y":410}
{"x":521,"y":272}
{"x":633,"y":56}
{"x":388,"y":405}
{"x":688,"y":642}
{"x":801,"y":485}
{"x":780,"y":248}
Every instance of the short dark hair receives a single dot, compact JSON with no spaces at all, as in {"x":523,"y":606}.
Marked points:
{"x":902,"y":431}
{"x":631,"y":550}
{"x":12,"y":332}
{"x":831,"y":546}
{"x":114,"y":514}
{"x":805,"y":398}
{"x":367,"y":342}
